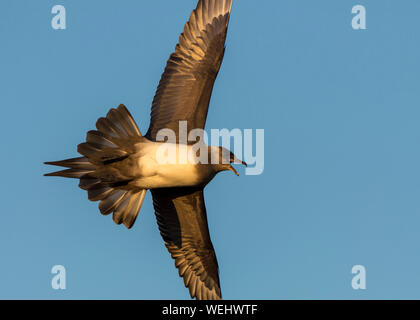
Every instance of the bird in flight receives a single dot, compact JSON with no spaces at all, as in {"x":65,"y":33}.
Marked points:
{"x":118,"y":164}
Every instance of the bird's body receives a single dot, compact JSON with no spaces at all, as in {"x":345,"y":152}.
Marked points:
{"x":118,"y":164}
{"x":172,"y":170}
{"x":154,"y":175}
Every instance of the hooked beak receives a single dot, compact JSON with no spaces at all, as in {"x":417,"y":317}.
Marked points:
{"x":237,"y":161}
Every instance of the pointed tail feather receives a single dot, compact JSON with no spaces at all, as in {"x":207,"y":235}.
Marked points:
{"x":77,"y":168}
{"x":68,"y":173}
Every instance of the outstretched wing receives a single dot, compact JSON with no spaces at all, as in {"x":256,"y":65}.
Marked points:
{"x":182,"y":219}
{"x":186,"y":85}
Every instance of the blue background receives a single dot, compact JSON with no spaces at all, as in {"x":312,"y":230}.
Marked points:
{"x":340,"y":109}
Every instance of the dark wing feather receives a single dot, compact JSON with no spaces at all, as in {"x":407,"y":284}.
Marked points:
{"x":182,"y":219}
{"x":186,"y":85}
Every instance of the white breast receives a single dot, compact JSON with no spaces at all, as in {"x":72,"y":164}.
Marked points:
{"x":165,"y":165}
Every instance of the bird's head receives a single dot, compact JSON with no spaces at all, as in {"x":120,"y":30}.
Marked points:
{"x":224,"y":160}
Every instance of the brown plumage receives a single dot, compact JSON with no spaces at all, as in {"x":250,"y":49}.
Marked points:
{"x":184,"y":93}
{"x":104,"y":149}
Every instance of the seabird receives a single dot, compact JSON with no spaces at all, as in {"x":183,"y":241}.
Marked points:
{"x":118,"y":164}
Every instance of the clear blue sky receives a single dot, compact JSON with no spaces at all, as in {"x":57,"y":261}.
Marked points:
{"x":340,"y":109}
